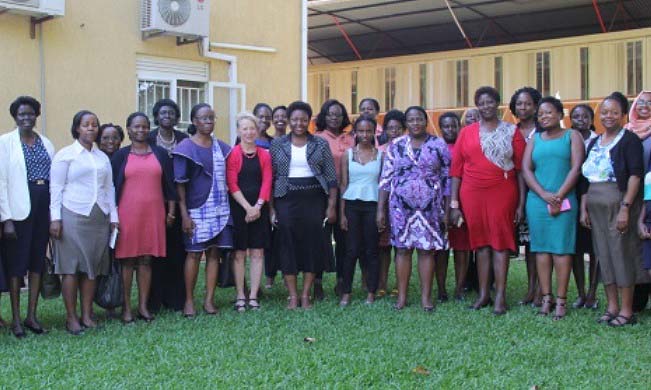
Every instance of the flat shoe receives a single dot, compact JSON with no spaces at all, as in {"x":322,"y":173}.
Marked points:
{"x":34,"y":329}
{"x":621,"y":320}
{"x":428,"y":308}
{"x":146,"y":319}
{"x":606,"y":318}
{"x":20,"y":334}
{"x":77,"y":332}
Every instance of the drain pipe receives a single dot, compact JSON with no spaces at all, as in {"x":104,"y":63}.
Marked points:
{"x":41,"y":59}
{"x":304,"y":50}
{"x":232,"y":60}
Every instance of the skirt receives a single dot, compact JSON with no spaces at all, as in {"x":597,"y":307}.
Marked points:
{"x":299,"y":244}
{"x":254,"y":235}
{"x":83,"y":247}
{"x":618,"y":254}
{"x":4,"y":286}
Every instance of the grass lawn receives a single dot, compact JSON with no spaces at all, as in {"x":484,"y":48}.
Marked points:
{"x":356,"y":347}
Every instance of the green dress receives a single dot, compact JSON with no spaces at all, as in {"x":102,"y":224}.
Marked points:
{"x":552,"y":160}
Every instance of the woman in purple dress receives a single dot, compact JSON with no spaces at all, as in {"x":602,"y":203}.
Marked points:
{"x":415,"y":184}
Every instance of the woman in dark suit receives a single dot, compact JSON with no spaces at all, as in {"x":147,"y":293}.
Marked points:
{"x":304,"y":192}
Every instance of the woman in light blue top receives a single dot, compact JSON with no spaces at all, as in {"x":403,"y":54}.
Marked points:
{"x":360,"y":174}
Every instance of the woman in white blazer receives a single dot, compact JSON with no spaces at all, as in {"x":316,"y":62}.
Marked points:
{"x":24,"y":207}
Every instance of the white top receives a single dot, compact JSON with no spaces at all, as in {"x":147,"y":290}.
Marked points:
{"x":592,"y":136}
{"x":15,"y":202}
{"x":298,"y":166}
{"x":79,"y":179}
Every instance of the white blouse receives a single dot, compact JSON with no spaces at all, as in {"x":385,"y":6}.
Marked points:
{"x":79,"y":179}
{"x":298,"y":166}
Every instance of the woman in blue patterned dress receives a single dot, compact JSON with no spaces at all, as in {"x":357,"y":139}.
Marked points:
{"x":415,"y":184}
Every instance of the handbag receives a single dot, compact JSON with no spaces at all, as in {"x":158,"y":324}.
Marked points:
{"x":225,"y":277}
{"x":50,"y":282}
{"x":108,"y":294}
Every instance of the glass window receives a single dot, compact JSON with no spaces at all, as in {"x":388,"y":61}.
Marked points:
{"x":353,"y":91}
{"x":584,"y":54}
{"x":543,"y":73}
{"x":389,"y":88}
{"x":422,"y":84}
{"x":633,"y":68}
{"x":462,"y":83}
{"x":151,"y":91}
{"x":188,"y":94}
{"x":499,"y":78}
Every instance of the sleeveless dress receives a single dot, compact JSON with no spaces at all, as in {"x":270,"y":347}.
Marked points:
{"x":552,"y":161}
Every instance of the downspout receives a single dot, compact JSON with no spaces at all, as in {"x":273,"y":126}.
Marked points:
{"x":232,"y":60}
{"x":304,"y":50}
{"x":41,"y":59}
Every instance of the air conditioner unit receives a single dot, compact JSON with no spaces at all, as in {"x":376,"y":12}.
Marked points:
{"x":184,"y":18}
{"x":37,"y":8}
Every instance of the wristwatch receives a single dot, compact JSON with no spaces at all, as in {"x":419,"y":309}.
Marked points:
{"x":260,"y":203}
{"x":454,"y":204}
{"x":625,"y":204}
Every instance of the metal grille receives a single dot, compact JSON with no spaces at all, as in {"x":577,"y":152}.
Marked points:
{"x":149,"y":92}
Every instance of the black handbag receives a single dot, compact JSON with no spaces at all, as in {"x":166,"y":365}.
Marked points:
{"x":108,"y":294}
{"x":50,"y":282}
{"x":225,"y":276}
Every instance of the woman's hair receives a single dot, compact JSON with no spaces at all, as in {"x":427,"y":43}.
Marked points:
{"x":364,"y":118}
{"x":417,"y":108}
{"x":374,"y":102}
{"x":165,"y":103}
{"x":260,"y":106}
{"x":451,"y":115}
{"x":394,"y":115}
{"x":490,"y":91}
{"x":532,"y":92}
{"x":24,"y":101}
{"x":246,"y":116}
{"x":558,"y":105}
{"x":588,"y":109}
{"x":76,"y":122}
{"x":621,"y":99}
{"x":135,"y":115}
{"x":192,"y":129}
{"x":277,"y":108}
{"x":106,"y":126}
{"x":321,"y":117}
{"x":299,"y":106}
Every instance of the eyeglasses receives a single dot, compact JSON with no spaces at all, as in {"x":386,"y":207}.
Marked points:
{"x":643,"y":103}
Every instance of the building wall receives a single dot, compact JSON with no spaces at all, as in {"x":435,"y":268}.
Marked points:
{"x":607,"y":70}
{"x":89,"y":57}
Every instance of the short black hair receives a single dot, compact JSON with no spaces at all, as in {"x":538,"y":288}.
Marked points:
{"x":321,"y":118}
{"x":558,"y":105}
{"x":364,"y":118}
{"x":24,"y":101}
{"x":277,"y":108}
{"x":621,"y":99}
{"x":135,"y":115}
{"x":532,"y":92}
{"x":419,"y":109}
{"x":394,"y":115}
{"x":76,"y":122}
{"x":490,"y":91}
{"x":588,"y":109}
{"x":449,"y":114}
{"x":260,"y":106}
{"x":299,"y":106}
{"x":192,"y":129}
{"x":105,"y":126}
{"x":165,"y":103}
{"x":375,"y":103}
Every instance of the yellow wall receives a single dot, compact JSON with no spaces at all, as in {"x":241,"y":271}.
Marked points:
{"x":607,"y":70}
{"x":90,"y":57}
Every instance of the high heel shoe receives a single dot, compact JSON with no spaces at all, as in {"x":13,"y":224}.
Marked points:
{"x":547,"y":304}
{"x":292,"y":302}
{"x":560,"y":308}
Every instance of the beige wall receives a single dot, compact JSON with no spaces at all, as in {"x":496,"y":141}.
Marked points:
{"x":607,"y":70}
{"x":90,"y":57}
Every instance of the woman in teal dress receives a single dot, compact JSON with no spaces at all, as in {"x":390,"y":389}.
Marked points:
{"x":551,"y":168}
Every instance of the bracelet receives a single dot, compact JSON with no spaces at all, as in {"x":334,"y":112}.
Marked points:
{"x":171,"y":216}
{"x":454,"y":204}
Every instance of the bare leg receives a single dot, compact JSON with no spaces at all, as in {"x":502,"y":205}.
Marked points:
{"x":532,"y":277}
{"x":627,"y":301}
{"x":544,"y":270}
{"x":308,"y":281}
{"x":290,"y":282}
{"x":239,"y":270}
{"x":590,"y":299}
{"x":385,"y":262}
{"x":32,"y":302}
{"x":563,"y":266}
{"x":501,"y":270}
{"x":611,"y":297}
{"x":14,"y":296}
{"x":442,"y":260}
{"x":69,"y":288}
{"x":87,"y":296}
{"x":483,"y":259}
{"x":257,"y":264}
{"x":127,"y":282}
{"x":190,"y":271}
{"x":426,"y":274}
{"x":144,"y":285}
{"x":460,"y":272}
{"x":212,"y":267}
{"x":403,"y":273}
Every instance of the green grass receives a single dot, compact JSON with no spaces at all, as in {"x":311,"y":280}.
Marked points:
{"x":356,"y":347}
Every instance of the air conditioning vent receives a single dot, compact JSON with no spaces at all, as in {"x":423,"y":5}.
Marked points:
{"x":185,"y":18}
{"x":24,"y":3}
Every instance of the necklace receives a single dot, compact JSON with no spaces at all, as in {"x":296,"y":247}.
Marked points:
{"x":165,"y":143}
{"x":250,"y":154}
{"x":357,"y":156}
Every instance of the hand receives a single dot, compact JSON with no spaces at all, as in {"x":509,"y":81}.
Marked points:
{"x":643,"y":231}
{"x":455,"y":216}
{"x":187,"y":225}
{"x":114,"y":225}
{"x":272,"y":217}
{"x":9,"y":230}
{"x":56,"y":229}
{"x":252,"y":213}
{"x":380,"y":220}
{"x":331,"y":215}
{"x":343,"y":223}
{"x":622,"y":220}
{"x":551,"y":199}
{"x":519,"y":215}
{"x":585,"y":219}
{"x":554,"y":210}
{"x":169,"y":220}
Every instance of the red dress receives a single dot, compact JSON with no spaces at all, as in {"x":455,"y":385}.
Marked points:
{"x":488,"y":195}
{"x":141,"y":209}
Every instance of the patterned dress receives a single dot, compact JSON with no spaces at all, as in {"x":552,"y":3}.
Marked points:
{"x":417,"y":182}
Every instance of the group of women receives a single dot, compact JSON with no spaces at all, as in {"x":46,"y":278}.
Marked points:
{"x":170,"y":199}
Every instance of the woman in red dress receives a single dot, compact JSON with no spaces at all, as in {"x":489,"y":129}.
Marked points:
{"x":486,"y":181}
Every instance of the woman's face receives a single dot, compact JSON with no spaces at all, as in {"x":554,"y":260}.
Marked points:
{"x":365,"y":133}
{"x":166,"y":117}
{"x":450,"y":129}
{"x":247,"y":130}
{"x":204,"y":121}
{"x":368,"y":108}
{"x":487,"y":107}
{"x":525,"y":109}
{"x":298,"y":122}
{"x":610,"y":114}
{"x":25,"y":117}
{"x":139,"y":129}
{"x":416,"y":123}
{"x":88,"y":129}
{"x":548,"y":116}
{"x":643,"y":106}
{"x":264,"y":117}
{"x":334,"y":117}
{"x":280,"y":119}
{"x":393,"y":129}
{"x":581,"y":119}
{"x":110,"y":140}
{"x":472,"y":116}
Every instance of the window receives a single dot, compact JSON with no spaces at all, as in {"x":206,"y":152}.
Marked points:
{"x":324,"y":87}
{"x":422,"y":84}
{"x":151,"y":91}
{"x":584,"y":55}
{"x":353,"y":91}
{"x":543,"y":73}
{"x":187,"y":94}
{"x":462,"y":83}
{"x":499,"y":78}
{"x":633,"y":67}
{"x":389,"y":88}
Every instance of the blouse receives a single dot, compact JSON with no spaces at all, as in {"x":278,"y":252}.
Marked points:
{"x":298,"y":166}
{"x":598,"y":168}
{"x":363,"y":179}
{"x":37,"y":161}
{"x":80,"y":179}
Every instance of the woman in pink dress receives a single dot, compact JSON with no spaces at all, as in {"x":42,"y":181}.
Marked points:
{"x":142,"y":174}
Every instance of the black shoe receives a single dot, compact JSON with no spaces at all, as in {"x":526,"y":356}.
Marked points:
{"x":33,"y":328}
{"x":18,"y":332}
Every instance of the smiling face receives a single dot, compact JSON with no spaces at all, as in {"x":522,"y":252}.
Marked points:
{"x":643,"y":106}
{"x":416,"y":123}
{"x":25,"y":117}
{"x":581,"y":119}
{"x":110,"y":140}
{"x":610,"y":114}
{"x":280,"y":120}
{"x":166,"y":117}
{"x":487,"y":107}
{"x":88,"y":128}
{"x":548,"y":117}
{"x":365,"y":133}
{"x":139,"y":129}
{"x":204,"y":121}
{"x":393,"y":129}
{"x":472,"y":116}
{"x":298,"y":122}
{"x":264,"y":117}
{"x":525,"y":107}
{"x":334,"y":117}
{"x":450,"y":129}
{"x":247,"y":129}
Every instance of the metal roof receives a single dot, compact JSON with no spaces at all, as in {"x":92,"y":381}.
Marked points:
{"x":346,"y":30}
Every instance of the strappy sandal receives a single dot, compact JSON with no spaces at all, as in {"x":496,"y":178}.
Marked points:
{"x":606,"y":318}
{"x":240,"y":305}
{"x":254,"y":304}
{"x":292,"y":302}
{"x":621,"y":320}
{"x":547,"y":304}
{"x":560,"y":306}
